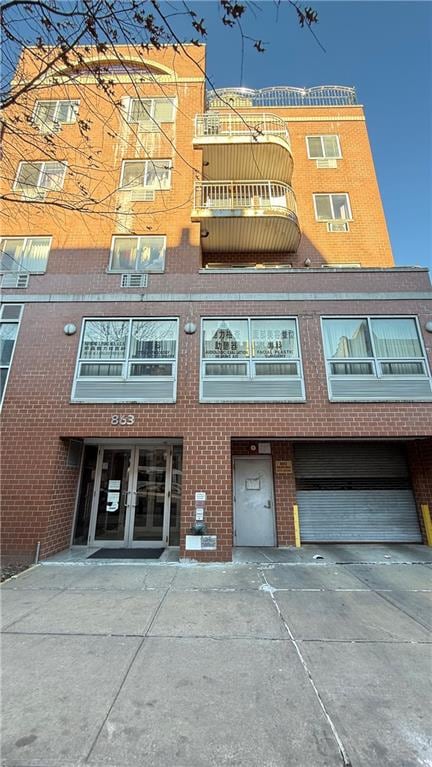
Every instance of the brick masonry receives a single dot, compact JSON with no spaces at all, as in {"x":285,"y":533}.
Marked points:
{"x":38,"y":417}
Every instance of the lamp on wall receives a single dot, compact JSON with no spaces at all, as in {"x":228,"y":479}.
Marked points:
{"x":70,"y":329}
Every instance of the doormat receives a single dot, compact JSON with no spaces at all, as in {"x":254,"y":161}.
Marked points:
{"x":126,"y":554}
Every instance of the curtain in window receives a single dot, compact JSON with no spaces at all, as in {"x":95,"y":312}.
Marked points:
{"x":52,"y":176}
{"x":347,"y":338}
{"x":396,"y":338}
{"x":140,"y":110}
{"x":315,"y":147}
{"x":331,"y":148}
{"x":45,"y":113}
{"x":35,"y":254}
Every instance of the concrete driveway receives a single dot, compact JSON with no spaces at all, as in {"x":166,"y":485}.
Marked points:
{"x":292,"y":663}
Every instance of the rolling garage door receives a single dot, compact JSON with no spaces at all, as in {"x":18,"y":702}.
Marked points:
{"x":355,"y":492}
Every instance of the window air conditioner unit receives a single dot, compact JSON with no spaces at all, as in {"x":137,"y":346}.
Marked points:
{"x":134,"y":280}
{"x":148,"y":126}
{"x":15,"y":280}
{"x":143,"y":195}
{"x":326,"y":163}
{"x":336,"y":226}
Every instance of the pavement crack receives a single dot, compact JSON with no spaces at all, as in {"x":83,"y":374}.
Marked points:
{"x":346,"y":761}
{"x":382,"y":595}
{"x":127,"y":672}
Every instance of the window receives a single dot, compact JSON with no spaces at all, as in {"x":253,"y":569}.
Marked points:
{"x":332,"y":207}
{"x":34,"y":179}
{"x":24,"y":253}
{"x":138,"y":254}
{"x":10,"y":315}
{"x":373,"y":346}
{"x":153,"y":111}
{"x":150,"y":174}
{"x":250,"y":348}
{"x":49,"y":116}
{"x":128,"y":349}
{"x":323,"y":147}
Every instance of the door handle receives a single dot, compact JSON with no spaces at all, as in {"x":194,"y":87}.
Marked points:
{"x":268,"y":504}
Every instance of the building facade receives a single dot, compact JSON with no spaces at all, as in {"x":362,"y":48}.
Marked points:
{"x":203,"y":326}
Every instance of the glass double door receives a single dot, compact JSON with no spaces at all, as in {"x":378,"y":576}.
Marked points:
{"x":132,"y":498}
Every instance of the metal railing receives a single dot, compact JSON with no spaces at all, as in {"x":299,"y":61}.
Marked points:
{"x":236,"y":195}
{"x":283,"y":96}
{"x":240,"y":124}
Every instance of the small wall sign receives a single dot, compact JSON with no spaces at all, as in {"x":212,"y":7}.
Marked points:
{"x":284,"y":467}
{"x":200,"y":496}
{"x":201,"y":542}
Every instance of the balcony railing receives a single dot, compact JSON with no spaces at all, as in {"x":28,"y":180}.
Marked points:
{"x":268,"y":196}
{"x":283,"y":96}
{"x":235,"y":124}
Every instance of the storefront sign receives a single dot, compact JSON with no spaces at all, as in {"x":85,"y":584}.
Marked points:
{"x":284,"y":467}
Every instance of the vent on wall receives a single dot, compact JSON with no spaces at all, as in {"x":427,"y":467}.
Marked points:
{"x":144,"y":195}
{"x":15,"y":281}
{"x":326,"y":163}
{"x":134,"y":280}
{"x":148,"y":126}
{"x":334,"y":226}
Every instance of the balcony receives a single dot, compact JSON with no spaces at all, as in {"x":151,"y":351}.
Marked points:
{"x":246,"y":217}
{"x":244,"y":145}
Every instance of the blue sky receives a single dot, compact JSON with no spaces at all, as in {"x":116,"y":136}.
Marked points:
{"x":384,"y":50}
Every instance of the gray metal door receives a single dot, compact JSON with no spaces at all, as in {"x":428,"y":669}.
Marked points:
{"x":254,"y":523}
{"x":355,"y":493}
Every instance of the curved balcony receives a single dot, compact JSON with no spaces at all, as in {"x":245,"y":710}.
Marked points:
{"x":246,"y":217}
{"x":244,"y":145}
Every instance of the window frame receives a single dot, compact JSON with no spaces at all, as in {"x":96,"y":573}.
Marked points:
{"x":56,"y":122}
{"x":25,"y":238}
{"x":127,"y":360}
{"x":376,"y":361}
{"x":250,"y":361}
{"x":145,"y":162}
{"x":330,"y":195}
{"x":43,"y":189}
{"x":114,"y":270}
{"x":9,"y":366}
{"x":152,"y":118}
{"x":324,"y":156}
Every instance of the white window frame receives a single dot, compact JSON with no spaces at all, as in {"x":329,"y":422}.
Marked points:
{"x":127,"y":360}
{"x":323,"y":156}
{"x":45,"y":190}
{"x":24,"y":239}
{"x":375,"y":361}
{"x":16,"y":321}
{"x":251,"y":361}
{"x":56,"y":124}
{"x":154,"y":187}
{"x":137,"y":237}
{"x":151,"y":118}
{"x":331,"y":195}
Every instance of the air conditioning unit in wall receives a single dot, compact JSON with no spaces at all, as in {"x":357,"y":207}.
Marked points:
{"x":327,"y":163}
{"x":15,"y":281}
{"x":337,"y":226}
{"x":134,"y":281}
{"x":142,"y":195}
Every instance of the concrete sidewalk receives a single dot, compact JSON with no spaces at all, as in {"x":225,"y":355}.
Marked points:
{"x":262,"y":664}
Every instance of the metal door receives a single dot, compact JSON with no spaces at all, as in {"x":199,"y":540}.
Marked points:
{"x":254,"y":520}
{"x":132,"y":497}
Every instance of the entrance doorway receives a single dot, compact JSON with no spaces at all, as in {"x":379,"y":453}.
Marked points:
{"x":135,"y":497}
{"x":254,"y":518}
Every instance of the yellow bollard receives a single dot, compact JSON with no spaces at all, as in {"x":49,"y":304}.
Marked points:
{"x":427,"y":522}
{"x":296,"y":526}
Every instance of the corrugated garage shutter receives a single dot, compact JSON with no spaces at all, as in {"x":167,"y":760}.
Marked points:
{"x":355,"y":493}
